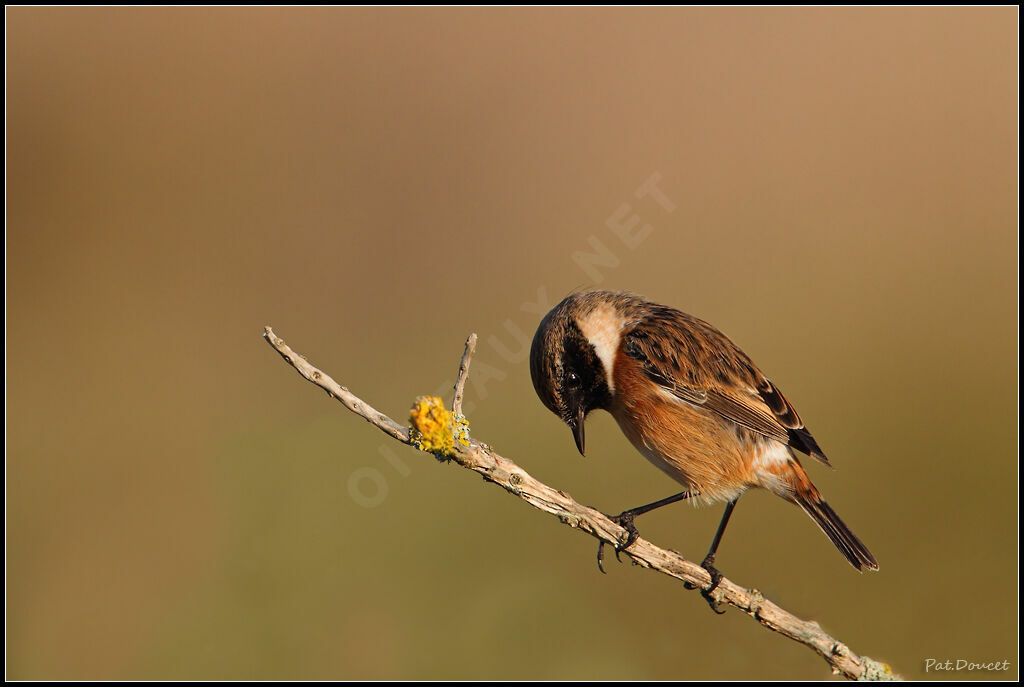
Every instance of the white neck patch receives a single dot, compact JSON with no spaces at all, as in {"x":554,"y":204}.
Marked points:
{"x":603,"y":329}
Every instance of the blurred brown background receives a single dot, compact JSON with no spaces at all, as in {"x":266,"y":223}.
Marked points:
{"x":377,"y":183}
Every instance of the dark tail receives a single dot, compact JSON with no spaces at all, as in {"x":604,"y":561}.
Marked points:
{"x":836,"y":530}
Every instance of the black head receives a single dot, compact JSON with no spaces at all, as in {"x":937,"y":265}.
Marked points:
{"x":567,"y":372}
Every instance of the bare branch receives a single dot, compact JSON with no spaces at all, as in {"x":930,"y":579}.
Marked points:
{"x":460,"y":381}
{"x":480,"y":458}
{"x":335,"y":390}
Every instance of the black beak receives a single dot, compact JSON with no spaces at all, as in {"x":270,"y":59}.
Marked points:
{"x":578,"y":433}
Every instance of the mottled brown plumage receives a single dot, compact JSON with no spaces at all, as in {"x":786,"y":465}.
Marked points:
{"x":687,"y":397}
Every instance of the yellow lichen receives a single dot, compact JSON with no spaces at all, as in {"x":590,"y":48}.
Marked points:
{"x":434,"y":428}
{"x":876,"y":671}
{"x":460,"y":428}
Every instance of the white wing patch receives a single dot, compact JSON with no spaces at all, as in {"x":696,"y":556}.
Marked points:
{"x":603,"y":329}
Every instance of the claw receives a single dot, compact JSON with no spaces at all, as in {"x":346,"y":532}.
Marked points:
{"x":716,"y":579}
{"x":625,"y":521}
{"x":632,"y":534}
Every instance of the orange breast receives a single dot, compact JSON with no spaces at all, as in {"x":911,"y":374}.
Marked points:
{"x":695,"y":447}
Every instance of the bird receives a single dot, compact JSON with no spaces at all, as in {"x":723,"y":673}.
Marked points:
{"x":689,"y":400}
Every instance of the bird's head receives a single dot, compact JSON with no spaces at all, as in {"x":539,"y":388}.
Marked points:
{"x":573,"y":355}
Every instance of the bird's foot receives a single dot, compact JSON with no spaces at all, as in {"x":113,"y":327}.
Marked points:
{"x":625,"y":521}
{"x":716,"y":579}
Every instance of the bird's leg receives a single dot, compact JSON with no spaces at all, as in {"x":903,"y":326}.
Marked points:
{"x":625,"y":521}
{"x":707,"y":564}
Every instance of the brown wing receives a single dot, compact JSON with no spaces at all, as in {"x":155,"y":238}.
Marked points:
{"x":698,"y":364}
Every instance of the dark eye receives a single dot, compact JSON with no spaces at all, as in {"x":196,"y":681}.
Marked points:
{"x":573,"y":380}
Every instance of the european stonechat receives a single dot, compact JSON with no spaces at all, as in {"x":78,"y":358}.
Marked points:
{"x":688,"y":399}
